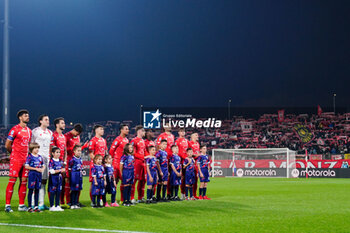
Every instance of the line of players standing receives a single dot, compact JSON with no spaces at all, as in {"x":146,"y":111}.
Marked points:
{"x":17,"y":144}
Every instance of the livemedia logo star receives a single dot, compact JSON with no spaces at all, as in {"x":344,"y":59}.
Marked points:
{"x":152,"y":119}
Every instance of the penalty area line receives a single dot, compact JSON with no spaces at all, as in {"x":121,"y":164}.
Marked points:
{"x":67,"y":228}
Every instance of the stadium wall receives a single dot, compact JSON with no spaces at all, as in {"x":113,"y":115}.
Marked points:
{"x":277,"y":168}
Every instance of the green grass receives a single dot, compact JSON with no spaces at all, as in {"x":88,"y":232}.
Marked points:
{"x":237,"y":205}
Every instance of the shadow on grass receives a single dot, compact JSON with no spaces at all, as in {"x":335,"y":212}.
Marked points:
{"x":159,"y":212}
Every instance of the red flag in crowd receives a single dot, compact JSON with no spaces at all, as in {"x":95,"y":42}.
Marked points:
{"x":280,"y":115}
{"x":319,"y":110}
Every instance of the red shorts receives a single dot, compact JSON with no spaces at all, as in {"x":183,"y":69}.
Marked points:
{"x":67,"y":171}
{"x":117,"y":174}
{"x":67,"y":167}
{"x":140,"y":170}
{"x":17,"y":169}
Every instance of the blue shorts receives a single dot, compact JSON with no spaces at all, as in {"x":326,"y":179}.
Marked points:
{"x":110,"y":188}
{"x":55,"y":183}
{"x":174,"y":179}
{"x":165,"y":176}
{"x":154,"y":176}
{"x":98,"y":189}
{"x":34,"y":180}
{"x":76,"y":181}
{"x":189,"y":178}
{"x":205,"y":172}
{"x":128,"y":176}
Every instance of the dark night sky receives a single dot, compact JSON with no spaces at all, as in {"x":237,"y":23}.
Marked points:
{"x":97,"y":60}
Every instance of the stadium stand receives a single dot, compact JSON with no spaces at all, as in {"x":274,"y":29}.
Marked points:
{"x":330,"y":134}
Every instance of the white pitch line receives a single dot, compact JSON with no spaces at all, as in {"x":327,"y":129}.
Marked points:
{"x":67,"y":228}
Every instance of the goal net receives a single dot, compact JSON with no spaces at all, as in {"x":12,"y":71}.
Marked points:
{"x":269,"y":162}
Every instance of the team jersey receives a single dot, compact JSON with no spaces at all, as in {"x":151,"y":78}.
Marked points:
{"x":98,"y":146}
{"x":75,"y":164}
{"x":55,"y":164}
{"x":203,"y":161}
{"x":176,"y":161}
{"x":127,"y":161}
{"x":86,"y":145}
{"x":117,"y":148}
{"x":109,"y":173}
{"x":43,"y":138}
{"x":34,"y":161}
{"x":152,"y":163}
{"x":162,"y":157}
{"x":195,"y":147}
{"x":190,"y":167}
{"x":98,"y":171}
{"x":71,"y":142}
{"x":170,"y":141}
{"x":182,"y":144}
{"x":139,"y":148}
{"x":148,"y":143}
{"x":20,"y":138}
{"x":59,"y":140}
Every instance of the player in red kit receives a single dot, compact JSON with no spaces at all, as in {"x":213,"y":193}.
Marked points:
{"x":169,"y":137}
{"x":116,"y":151}
{"x":194,"y":145}
{"x":139,"y":166}
{"x":97,"y":146}
{"x":59,"y":140}
{"x":72,"y":139}
{"x":182,"y":144}
{"x":149,"y":140}
{"x":17,"y":144}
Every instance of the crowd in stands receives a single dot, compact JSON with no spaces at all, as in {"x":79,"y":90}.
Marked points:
{"x":330,"y":133}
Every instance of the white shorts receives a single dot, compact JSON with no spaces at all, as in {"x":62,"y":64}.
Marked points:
{"x":46,"y":161}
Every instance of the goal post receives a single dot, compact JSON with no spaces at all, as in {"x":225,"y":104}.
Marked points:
{"x":254,"y":162}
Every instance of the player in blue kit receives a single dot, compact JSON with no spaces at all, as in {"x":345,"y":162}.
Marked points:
{"x":152,"y":176}
{"x":76,"y":178}
{"x":163,"y":173}
{"x":127,"y":171}
{"x":111,"y":186}
{"x":35,"y":165}
{"x":56,"y":168}
{"x":176,"y":173}
{"x":98,"y":183}
{"x":203,"y":170}
{"x":189,"y":165}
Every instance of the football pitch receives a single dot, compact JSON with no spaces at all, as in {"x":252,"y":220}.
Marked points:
{"x":237,"y":205}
